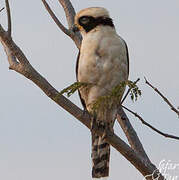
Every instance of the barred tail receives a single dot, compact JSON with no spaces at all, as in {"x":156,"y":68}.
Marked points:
{"x":100,"y":156}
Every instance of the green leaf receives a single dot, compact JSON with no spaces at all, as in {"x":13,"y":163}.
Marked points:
{"x":72,"y":89}
{"x":113,"y":97}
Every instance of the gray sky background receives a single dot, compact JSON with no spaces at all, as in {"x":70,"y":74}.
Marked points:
{"x":38,"y":139}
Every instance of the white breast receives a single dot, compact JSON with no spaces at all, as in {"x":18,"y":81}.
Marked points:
{"x":103,"y":62}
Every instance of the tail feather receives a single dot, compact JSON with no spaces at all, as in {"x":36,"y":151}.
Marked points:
{"x":100,"y":156}
{"x":100,"y":148}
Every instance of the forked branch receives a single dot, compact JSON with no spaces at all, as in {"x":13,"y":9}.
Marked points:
{"x":13,"y":63}
{"x":58,"y":23}
{"x":70,"y":13}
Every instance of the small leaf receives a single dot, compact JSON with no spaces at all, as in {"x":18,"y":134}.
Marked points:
{"x":72,"y":88}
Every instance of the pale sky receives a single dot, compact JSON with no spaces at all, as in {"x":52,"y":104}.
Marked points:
{"x":38,"y":139}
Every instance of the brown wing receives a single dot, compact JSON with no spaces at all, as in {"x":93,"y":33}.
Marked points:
{"x":127,"y":54}
{"x":82,"y":100}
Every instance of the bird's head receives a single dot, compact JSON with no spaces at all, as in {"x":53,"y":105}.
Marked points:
{"x":89,"y":18}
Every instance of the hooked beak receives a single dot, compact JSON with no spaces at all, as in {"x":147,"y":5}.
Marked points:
{"x":75,"y":28}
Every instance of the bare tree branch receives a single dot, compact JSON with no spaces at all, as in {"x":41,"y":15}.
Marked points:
{"x":163,"y":97}
{"x":150,"y":126}
{"x":58,"y":23}
{"x":70,"y":13}
{"x":13,"y":63}
{"x":8,"y":17}
{"x":11,"y":59}
{"x":20,"y":64}
{"x":129,"y":131}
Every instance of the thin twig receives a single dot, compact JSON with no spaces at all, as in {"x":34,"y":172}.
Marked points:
{"x":56,"y":20}
{"x":163,"y":97}
{"x":1,"y":9}
{"x":150,"y":126}
{"x":8,"y":17}
{"x":129,"y":91}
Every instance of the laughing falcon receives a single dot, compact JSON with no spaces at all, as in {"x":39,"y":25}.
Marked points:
{"x":102,"y":62}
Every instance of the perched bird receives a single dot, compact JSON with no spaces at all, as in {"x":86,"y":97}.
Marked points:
{"x":103,"y":63}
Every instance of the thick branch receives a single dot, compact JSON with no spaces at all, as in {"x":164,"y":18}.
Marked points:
{"x":13,"y":63}
{"x":9,"y":43}
{"x":130,"y":133}
{"x":163,"y":97}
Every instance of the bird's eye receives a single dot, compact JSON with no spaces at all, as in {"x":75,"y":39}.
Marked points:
{"x":84,"y":20}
